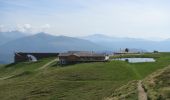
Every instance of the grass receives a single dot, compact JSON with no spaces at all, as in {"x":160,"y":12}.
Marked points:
{"x":87,"y":81}
{"x":125,"y":92}
{"x":146,"y":55}
{"x":144,"y":69}
{"x":16,"y":68}
{"x":157,"y":85}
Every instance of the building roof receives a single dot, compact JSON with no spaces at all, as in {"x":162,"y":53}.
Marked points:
{"x":82,"y":54}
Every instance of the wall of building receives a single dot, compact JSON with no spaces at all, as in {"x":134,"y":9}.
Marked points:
{"x":21,"y":57}
{"x":76,"y":59}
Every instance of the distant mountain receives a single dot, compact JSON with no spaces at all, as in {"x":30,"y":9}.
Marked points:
{"x":43,"y":42}
{"x":101,"y":38}
{"x":9,"y":36}
{"x":11,"y":42}
{"x":117,"y":43}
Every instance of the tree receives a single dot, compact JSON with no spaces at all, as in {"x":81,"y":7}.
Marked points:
{"x":155,"y":51}
{"x":127,"y":50}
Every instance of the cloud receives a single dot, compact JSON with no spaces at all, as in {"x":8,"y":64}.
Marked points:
{"x":5,"y":28}
{"x":122,"y":18}
{"x":27,"y":26}
{"x":40,"y":28}
{"x":46,"y":26}
{"x":1,"y":28}
{"x":24,"y":28}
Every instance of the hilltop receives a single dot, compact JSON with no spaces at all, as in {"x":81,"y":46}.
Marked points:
{"x":90,"y":81}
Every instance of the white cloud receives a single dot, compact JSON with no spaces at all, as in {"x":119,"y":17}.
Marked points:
{"x":27,"y":26}
{"x":46,"y":26}
{"x":122,"y":18}
{"x":24,"y":27}
{"x":5,"y":28}
{"x":1,"y":28}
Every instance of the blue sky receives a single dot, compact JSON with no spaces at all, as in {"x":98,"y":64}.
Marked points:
{"x":149,"y":19}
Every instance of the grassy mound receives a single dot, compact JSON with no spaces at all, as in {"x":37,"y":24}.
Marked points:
{"x":158,"y":85}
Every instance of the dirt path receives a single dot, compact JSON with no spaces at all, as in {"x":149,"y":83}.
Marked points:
{"x":3,"y":78}
{"x":47,"y":64}
{"x":142,"y":95}
{"x":44,"y":66}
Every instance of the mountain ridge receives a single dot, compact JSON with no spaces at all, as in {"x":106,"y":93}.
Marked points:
{"x":9,"y":36}
{"x":117,"y":43}
{"x":43,"y":42}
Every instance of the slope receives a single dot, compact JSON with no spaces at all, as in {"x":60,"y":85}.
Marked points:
{"x":87,"y":81}
{"x":157,"y":85}
{"x":9,"y":36}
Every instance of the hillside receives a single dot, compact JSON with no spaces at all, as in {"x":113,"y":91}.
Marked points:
{"x":9,"y":36}
{"x":88,"y":81}
{"x":157,"y":84}
{"x":156,"y":87}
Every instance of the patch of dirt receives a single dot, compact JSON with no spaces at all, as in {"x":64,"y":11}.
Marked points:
{"x":142,"y":95}
{"x":49,"y":63}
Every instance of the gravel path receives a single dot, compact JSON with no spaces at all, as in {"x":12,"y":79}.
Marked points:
{"x":142,"y":95}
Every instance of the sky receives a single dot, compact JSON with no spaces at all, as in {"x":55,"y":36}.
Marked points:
{"x":147,"y":19}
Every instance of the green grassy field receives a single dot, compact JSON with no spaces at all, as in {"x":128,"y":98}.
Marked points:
{"x":88,"y":81}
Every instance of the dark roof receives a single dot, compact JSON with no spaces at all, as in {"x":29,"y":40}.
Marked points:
{"x":82,"y":54}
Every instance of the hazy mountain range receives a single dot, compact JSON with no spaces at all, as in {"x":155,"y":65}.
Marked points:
{"x":43,"y":42}
{"x":9,"y":36}
{"x":117,"y":43}
{"x":15,"y":41}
